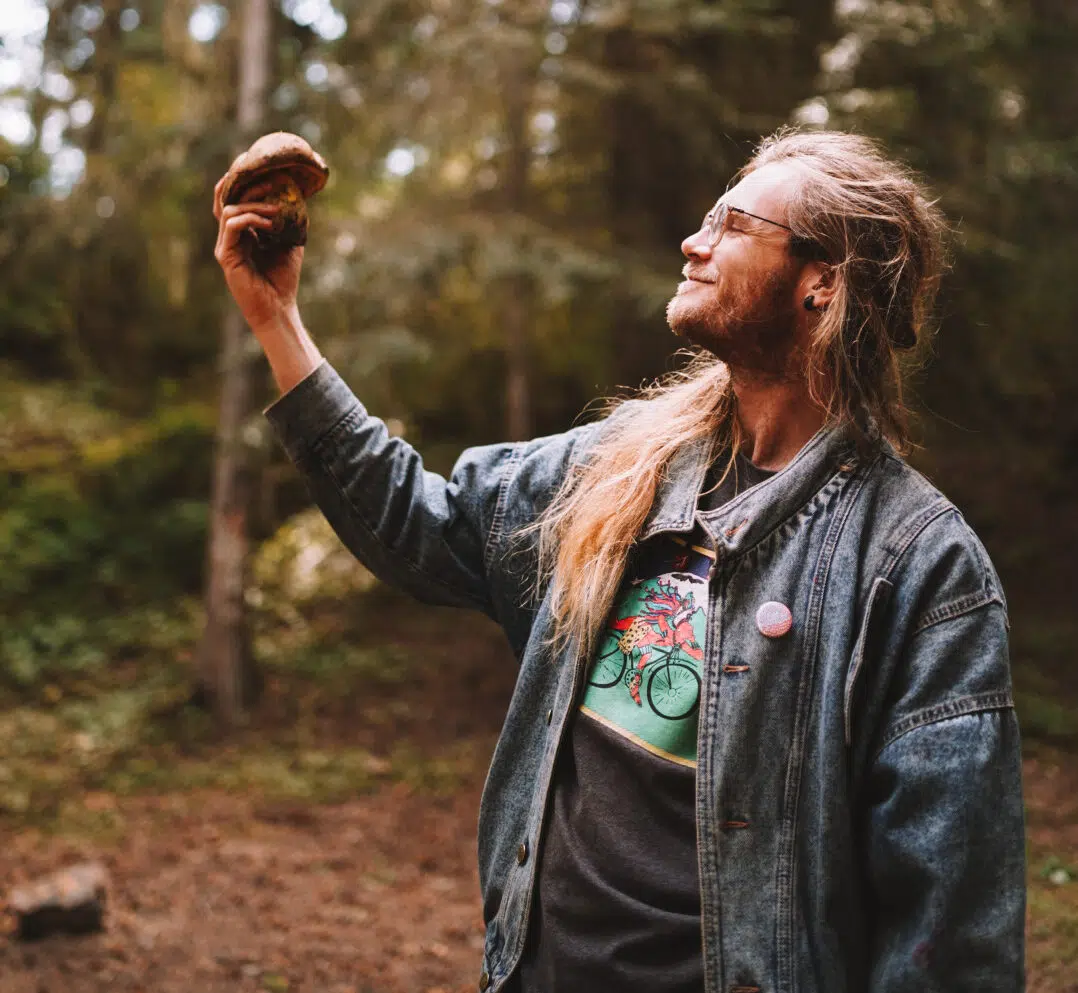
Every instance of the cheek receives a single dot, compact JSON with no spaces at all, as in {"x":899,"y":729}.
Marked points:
{"x":733,"y":273}
{"x":732,"y":289}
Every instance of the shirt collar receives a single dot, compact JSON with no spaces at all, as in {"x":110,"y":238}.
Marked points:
{"x":743,"y":521}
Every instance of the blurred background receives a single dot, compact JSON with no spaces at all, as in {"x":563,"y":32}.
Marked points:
{"x":511,"y":180}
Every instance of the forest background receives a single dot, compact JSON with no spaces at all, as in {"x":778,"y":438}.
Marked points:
{"x":511,"y":182}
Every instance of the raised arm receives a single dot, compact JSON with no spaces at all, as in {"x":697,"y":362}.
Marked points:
{"x":442,"y":540}
{"x":430,"y":536}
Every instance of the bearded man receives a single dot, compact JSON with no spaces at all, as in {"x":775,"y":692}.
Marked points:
{"x":762,"y":737}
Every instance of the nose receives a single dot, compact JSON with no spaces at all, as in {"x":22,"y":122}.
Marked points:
{"x":696,"y":247}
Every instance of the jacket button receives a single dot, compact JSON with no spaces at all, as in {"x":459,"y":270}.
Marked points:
{"x":484,"y":981}
{"x":522,"y":853}
{"x":549,"y":716}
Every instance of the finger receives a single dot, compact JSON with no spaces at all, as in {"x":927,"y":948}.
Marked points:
{"x":232,"y":231}
{"x":238,"y":209}
{"x":254,"y":207}
{"x":230,"y":252}
{"x":235,"y":226}
{"x":217,"y":205}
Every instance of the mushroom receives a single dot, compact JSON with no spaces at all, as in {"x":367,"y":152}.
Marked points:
{"x":278,"y":168}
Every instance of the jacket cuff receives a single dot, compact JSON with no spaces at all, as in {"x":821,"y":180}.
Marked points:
{"x":311,"y":409}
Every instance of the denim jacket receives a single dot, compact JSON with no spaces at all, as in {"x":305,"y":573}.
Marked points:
{"x":858,"y":797}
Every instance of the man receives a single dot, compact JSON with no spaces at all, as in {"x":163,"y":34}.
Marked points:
{"x":762,"y":737}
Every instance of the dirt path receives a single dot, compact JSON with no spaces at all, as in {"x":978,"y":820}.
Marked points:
{"x":222,"y":891}
{"x":212,"y":894}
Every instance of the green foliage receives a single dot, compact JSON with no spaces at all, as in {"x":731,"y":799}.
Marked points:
{"x":99,"y":531}
{"x":554,"y":156}
{"x":118,"y":743}
{"x":326,"y":683}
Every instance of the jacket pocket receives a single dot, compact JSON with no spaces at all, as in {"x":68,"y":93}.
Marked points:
{"x":877,"y":600}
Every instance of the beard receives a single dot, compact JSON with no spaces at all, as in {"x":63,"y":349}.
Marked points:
{"x":752,"y":328}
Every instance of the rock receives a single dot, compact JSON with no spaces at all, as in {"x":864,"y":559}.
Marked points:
{"x":71,"y":900}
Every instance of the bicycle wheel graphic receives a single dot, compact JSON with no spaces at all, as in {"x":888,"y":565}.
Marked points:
{"x":674,"y":690}
{"x":608,"y":669}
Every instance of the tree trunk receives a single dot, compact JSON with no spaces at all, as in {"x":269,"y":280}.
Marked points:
{"x":518,"y":405}
{"x":225,"y":664}
{"x":108,"y":45}
{"x":39,"y":103}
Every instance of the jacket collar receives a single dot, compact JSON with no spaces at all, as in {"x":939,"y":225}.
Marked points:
{"x":743,"y":521}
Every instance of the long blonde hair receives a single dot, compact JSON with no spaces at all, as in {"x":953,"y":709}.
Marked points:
{"x":869,"y":219}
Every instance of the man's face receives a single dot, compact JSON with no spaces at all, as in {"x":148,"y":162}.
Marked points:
{"x":740,"y":298}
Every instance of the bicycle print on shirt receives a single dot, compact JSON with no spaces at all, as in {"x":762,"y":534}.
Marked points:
{"x":644,"y":682}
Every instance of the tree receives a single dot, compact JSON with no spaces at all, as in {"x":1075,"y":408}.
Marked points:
{"x":225,"y":664}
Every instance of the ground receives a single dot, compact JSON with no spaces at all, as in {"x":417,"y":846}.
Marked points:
{"x":215,"y":893}
{"x":276,"y":882}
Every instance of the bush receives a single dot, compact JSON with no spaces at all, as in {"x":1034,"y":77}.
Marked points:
{"x":96,"y":533}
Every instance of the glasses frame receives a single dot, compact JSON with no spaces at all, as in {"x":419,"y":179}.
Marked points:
{"x":714,"y":225}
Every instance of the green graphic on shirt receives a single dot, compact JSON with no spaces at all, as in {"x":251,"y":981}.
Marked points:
{"x":645,"y":680}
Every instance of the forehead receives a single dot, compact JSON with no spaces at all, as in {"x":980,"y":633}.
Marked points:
{"x":766,"y":191}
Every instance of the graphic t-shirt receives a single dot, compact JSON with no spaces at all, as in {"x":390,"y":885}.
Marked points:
{"x":617,"y":904}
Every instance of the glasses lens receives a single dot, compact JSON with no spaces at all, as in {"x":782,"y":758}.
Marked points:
{"x":716,"y":224}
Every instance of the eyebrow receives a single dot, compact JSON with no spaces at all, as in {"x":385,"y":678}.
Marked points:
{"x":756,"y":217}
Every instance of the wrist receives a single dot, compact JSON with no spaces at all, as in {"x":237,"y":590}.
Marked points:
{"x":284,"y":324}
{"x":292,"y":355}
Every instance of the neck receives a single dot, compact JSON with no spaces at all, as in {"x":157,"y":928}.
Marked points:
{"x":777,"y":418}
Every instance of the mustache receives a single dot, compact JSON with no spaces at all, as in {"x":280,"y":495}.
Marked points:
{"x":700,"y":275}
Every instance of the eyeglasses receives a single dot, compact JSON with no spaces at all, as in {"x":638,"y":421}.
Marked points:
{"x":714,"y":225}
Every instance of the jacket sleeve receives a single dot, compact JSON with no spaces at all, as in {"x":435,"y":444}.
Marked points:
{"x":432,"y":537}
{"x":943,"y":813}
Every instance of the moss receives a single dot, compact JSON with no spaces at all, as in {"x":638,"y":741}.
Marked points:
{"x":1042,"y":716}
{"x":1052,"y":937}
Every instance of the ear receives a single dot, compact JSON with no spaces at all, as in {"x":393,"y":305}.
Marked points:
{"x":818,"y":279}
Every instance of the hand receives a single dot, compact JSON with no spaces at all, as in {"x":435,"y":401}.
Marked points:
{"x":266,"y":296}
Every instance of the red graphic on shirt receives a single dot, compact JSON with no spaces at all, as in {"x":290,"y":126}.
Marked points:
{"x":664,"y":624}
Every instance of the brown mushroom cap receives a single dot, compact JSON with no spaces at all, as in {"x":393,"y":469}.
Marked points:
{"x":276,"y":152}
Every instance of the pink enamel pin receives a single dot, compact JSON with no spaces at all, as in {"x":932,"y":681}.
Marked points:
{"x":774,"y":619}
